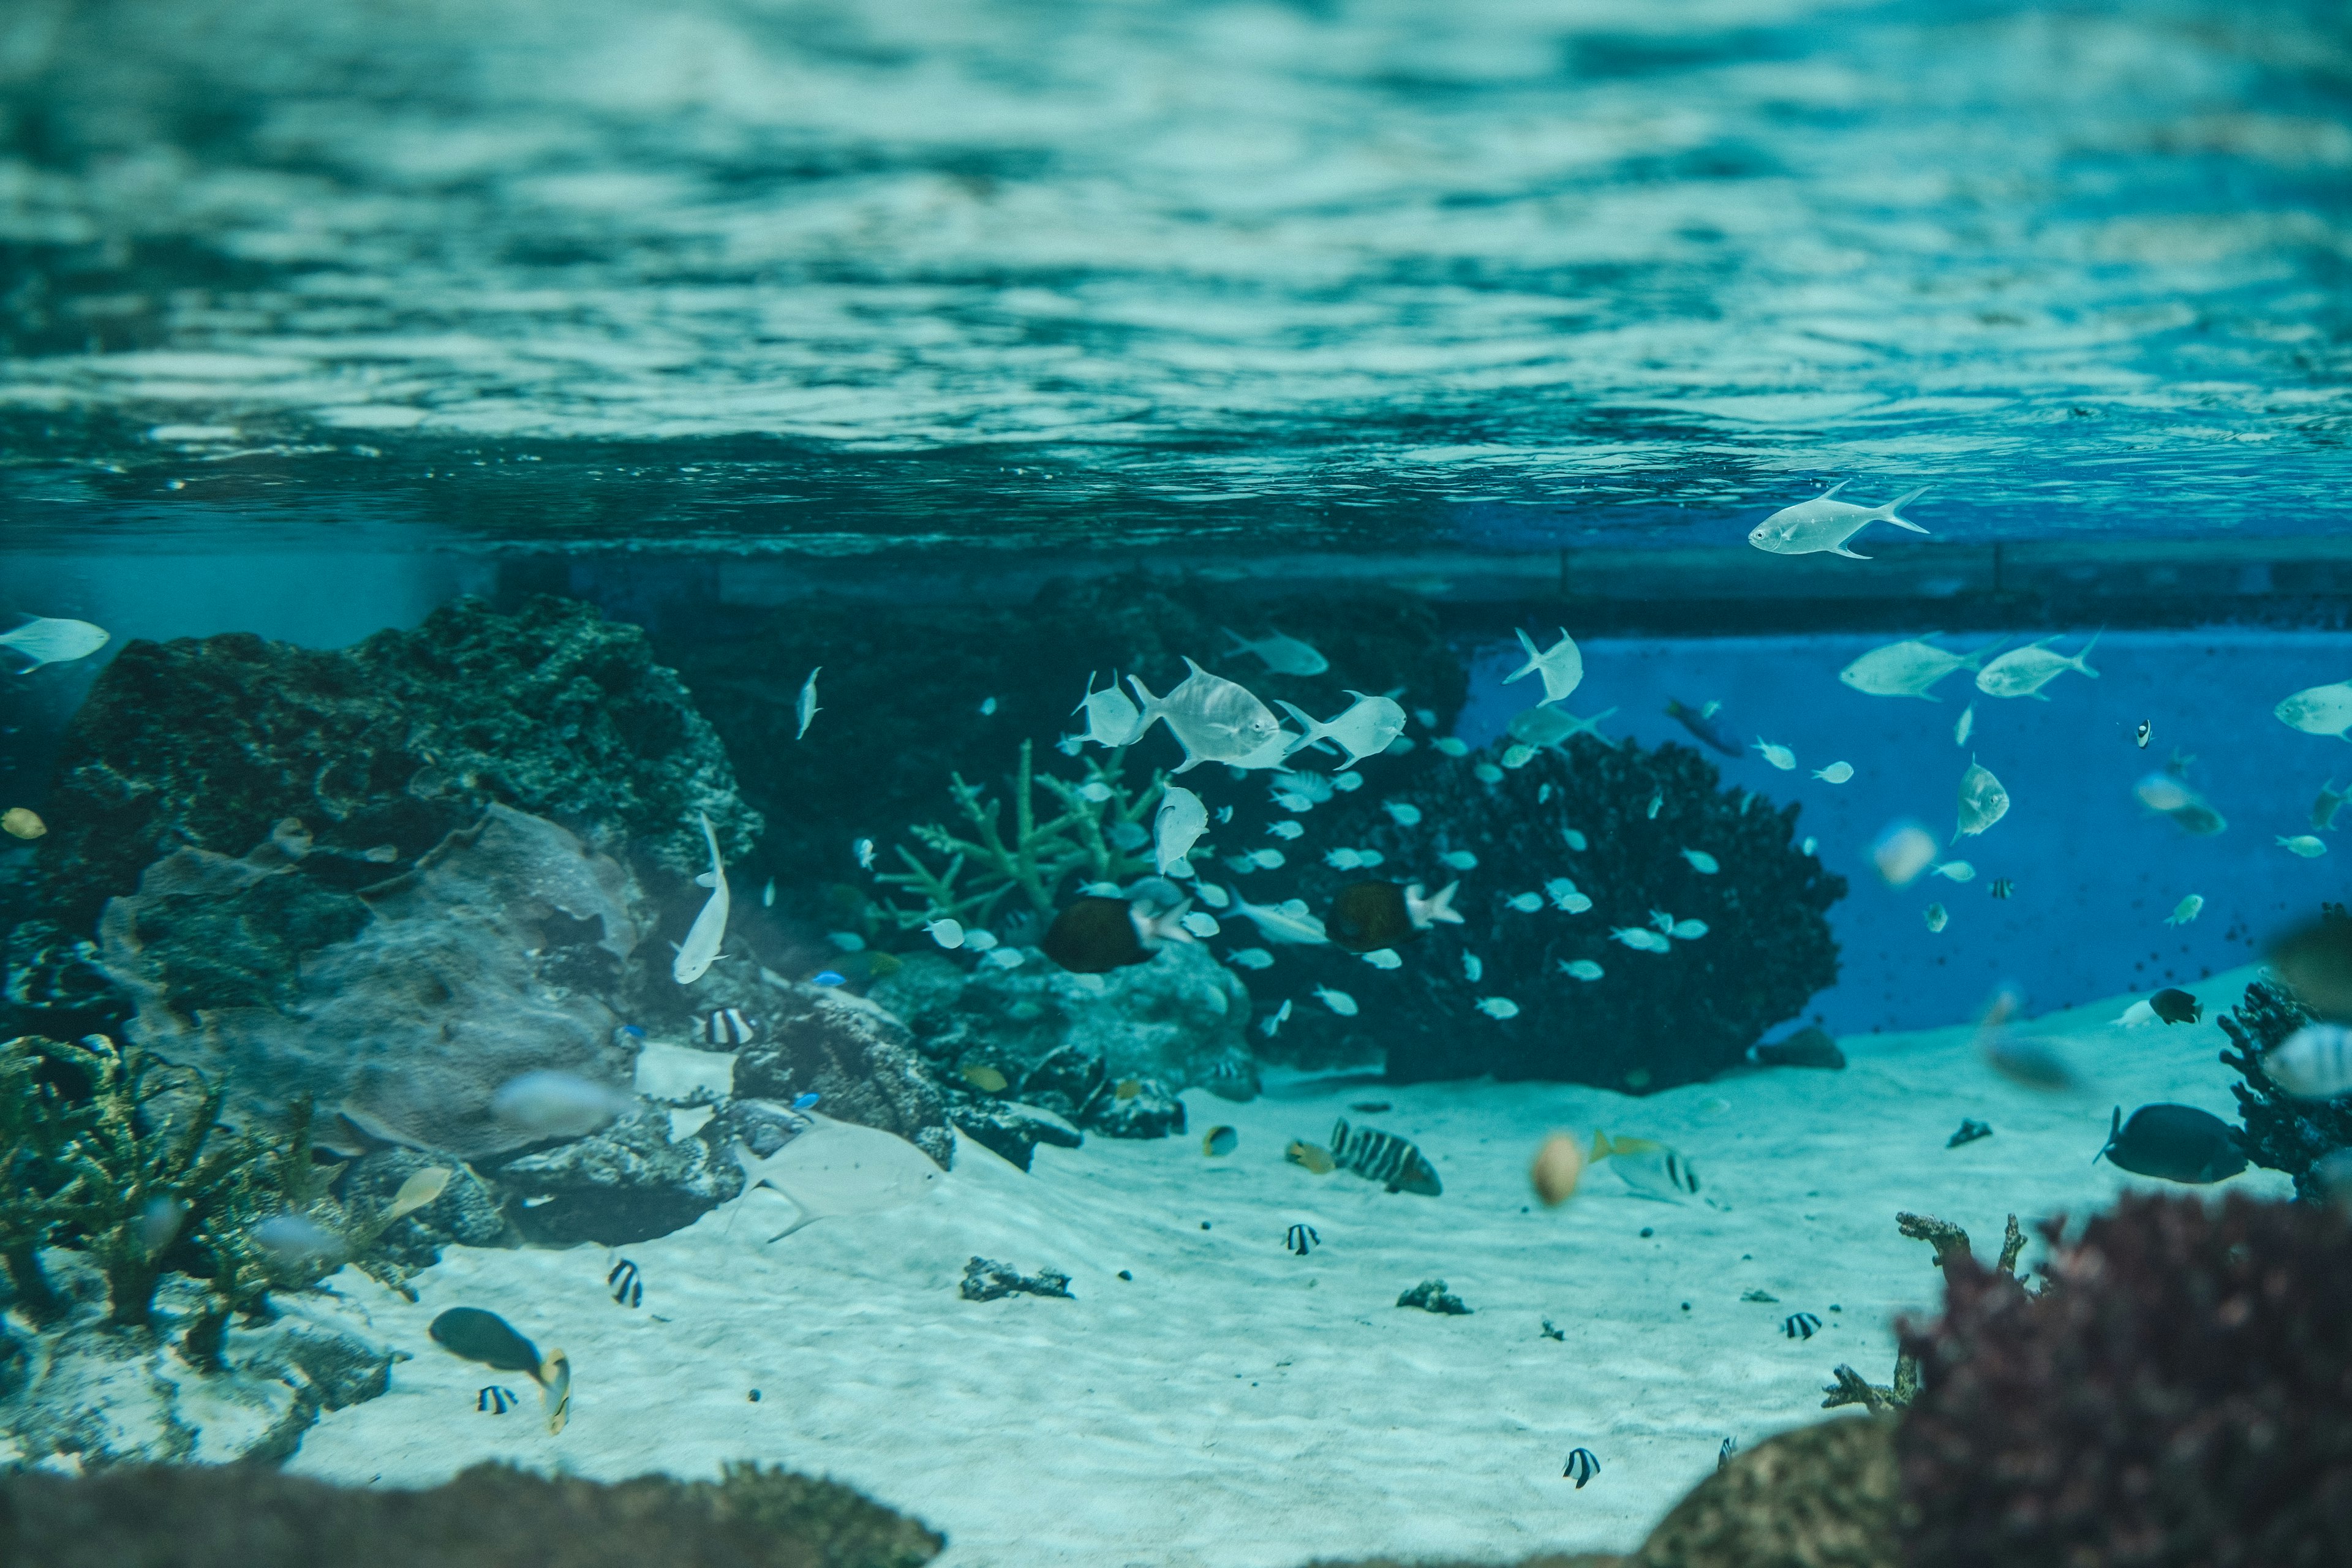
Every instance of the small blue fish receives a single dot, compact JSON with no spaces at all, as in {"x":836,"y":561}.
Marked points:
{"x":633,"y":1031}
{"x":829,"y":977}
{"x":802,"y":1102}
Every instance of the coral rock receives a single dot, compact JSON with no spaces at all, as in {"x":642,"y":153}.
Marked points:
{"x":854,"y":1053}
{"x":1431,"y":1295}
{"x":984,"y":1280}
{"x":1014,"y":1130}
{"x":1824,"y":1496}
{"x":626,"y":1182}
{"x":2282,"y":1133}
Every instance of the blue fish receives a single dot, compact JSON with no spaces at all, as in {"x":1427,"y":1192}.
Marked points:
{"x":633,"y":1031}
{"x":830,"y":977}
{"x":802,"y":1102}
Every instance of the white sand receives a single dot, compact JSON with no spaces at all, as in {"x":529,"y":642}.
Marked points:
{"x":1234,"y":1404}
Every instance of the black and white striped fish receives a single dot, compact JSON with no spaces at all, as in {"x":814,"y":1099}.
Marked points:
{"x":495,"y":1401}
{"x":628,"y":1287}
{"x":1385,"y":1158}
{"x":1801,"y":1325}
{"x":1582,"y":1466}
{"x":724,"y":1026}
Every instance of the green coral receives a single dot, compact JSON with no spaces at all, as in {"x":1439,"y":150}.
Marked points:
{"x":981,"y":870}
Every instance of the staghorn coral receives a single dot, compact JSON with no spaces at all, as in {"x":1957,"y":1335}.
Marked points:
{"x":1949,"y":1242}
{"x":2182,"y":1397}
{"x":2282,"y":1133}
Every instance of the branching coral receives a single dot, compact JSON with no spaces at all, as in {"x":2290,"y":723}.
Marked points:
{"x":1095,"y":837}
{"x":2281,"y":1131}
{"x":1951,"y":1242}
{"x":33,"y":1129}
{"x":2183,"y":1396}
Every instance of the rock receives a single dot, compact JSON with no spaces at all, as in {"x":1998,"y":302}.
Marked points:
{"x":1152,"y":1111}
{"x":1012,"y":1129}
{"x":854,"y":1054}
{"x":466,"y":1213}
{"x":1431,"y":1295}
{"x":1824,"y":1496}
{"x":985,"y":1280}
{"x":398,"y":1009}
{"x":627,"y":1183}
{"x":1808,"y":1048}
{"x":110,"y":1396}
{"x":397,"y":742}
{"x":1064,"y":1040}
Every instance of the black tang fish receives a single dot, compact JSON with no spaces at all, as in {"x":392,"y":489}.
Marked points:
{"x":2175,"y":1143}
{"x":2174,"y":1006}
{"x":1383,"y":1157}
{"x":1095,"y":935}
{"x":1369,"y":916}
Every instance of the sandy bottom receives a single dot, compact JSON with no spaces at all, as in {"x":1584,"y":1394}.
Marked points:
{"x":1238,"y":1405}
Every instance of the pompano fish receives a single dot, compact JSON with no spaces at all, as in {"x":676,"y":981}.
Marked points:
{"x":806,"y":709}
{"x":47,"y":641}
{"x":700,"y":948}
{"x":1176,"y":827}
{"x":1561,"y":665}
{"x":2314,"y":710}
{"x":1281,"y":654}
{"x":1542,"y":726}
{"x":1983,"y":801}
{"x":1909,"y":668}
{"x":1289,"y":921}
{"x":1111,"y":718}
{"x":1214,"y":719}
{"x":2324,"y":809}
{"x":1824,"y":523}
{"x":2164,"y":794}
{"x":2024,"y":672}
{"x":1364,"y":729}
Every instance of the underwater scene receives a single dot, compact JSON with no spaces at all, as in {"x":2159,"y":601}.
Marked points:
{"x":1228,"y":784}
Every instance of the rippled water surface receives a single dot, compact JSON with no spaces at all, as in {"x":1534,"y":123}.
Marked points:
{"x":1504,"y":273}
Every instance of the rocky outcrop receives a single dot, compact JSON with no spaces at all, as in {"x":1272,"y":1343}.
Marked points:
{"x":1824,"y":1496}
{"x":856,"y":1055}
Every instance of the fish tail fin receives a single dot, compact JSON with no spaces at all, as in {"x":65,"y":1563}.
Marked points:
{"x":1891,"y":511}
{"x":1152,"y":709}
{"x":1600,"y":1149}
{"x":2087,"y":647}
{"x":1240,"y":643}
{"x":1315,"y":728}
{"x":1089,"y":697}
{"x":1527,"y":642}
{"x":1976,"y":660}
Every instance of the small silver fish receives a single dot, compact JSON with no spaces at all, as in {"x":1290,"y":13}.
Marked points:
{"x":1460,"y":859}
{"x":1250,"y":958}
{"x":1403,"y":814}
{"x":1472,"y":969}
{"x":1340,"y":1002}
{"x":1583,"y":968}
{"x":1111,"y":719}
{"x":1176,"y":827}
{"x":1780,"y":757}
{"x":1560,"y":666}
{"x":1383,"y":958}
{"x":1824,"y":523}
{"x":864,"y":849}
{"x":1983,"y":800}
{"x":2187,"y":909}
{"x":1281,"y":654}
{"x":1525,"y":903}
{"x":807,"y":708}
{"x":551,"y":1103}
{"x":1967,"y":722}
{"x":1274,"y":1020}
{"x":1705,"y":863}
{"x":1936,"y":917}
{"x":1451,"y":746}
{"x":1284,"y":829}
{"x":988,"y":707}
{"x":1498,"y":1006}
{"x":47,"y":641}
{"x":699,"y":951}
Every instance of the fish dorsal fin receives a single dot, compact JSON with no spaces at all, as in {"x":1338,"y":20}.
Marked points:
{"x":1833,"y":489}
{"x":1710,"y":709}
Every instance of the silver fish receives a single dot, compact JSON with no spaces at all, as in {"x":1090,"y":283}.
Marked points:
{"x":1364,"y":729}
{"x":47,"y":641}
{"x":2026,"y":670}
{"x":1983,"y":801}
{"x":695,"y":955}
{"x":554,"y":1104}
{"x":2314,"y":710}
{"x":1283,"y":654}
{"x":1542,"y":726}
{"x":1214,"y":719}
{"x":1824,"y":524}
{"x":1909,"y":668}
{"x":1176,"y":827}
{"x":1287,"y":922}
{"x":1111,"y":718}
{"x":1562,"y":667}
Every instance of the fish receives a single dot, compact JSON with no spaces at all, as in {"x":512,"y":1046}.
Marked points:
{"x":1340,"y":1002}
{"x":494,"y":1400}
{"x":1199,"y":923}
{"x":1300,"y":1238}
{"x":1966,"y":725}
{"x":1213,"y":719}
{"x":700,"y":949}
{"x":1641,"y":939}
{"x":491,"y":1341}
{"x":2173,"y":1143}
{"x":1313,"y":1156}
{"x":1368,"y":916}
{"x":1825,"y":523}
{"x":21,"y":822}
{"x":978,"y":939}
{"x":1273,"y":1021}
{"x":1176,"y":827}
{"x":2174,"y":1006}
{"x":2164,"y":794}
{"x":44,"y":640}
{"x":1497,"y":1007}
{"x":1281,"y":654}
{"x":1801,"y":1325}
{"x":1347,"y":784}
{"x":1936,"y":917}
{"x":1651,"y":1168}
{"x":1560,"y":890}
{"x":1250,"y":958}
{"x":1517,"y":757}
{"x":1460,"y":859}
{"x":295,"y":1241}
{"x":1404,"y":814}
{"x":1983,"y":801}
{"x":1558,"y":1165}
{"x":1572,"y":837}
{"x":1284,"y":829}
{"x":863,"y":849}
{"x":2322,"y":810}
{"x":2187,"y":909}
{"x":1288,"y":921}
{"x":1364,"y":729}
{"x":1265,"y":859}
{"x":1663,"y":921}
{"x":806,"y":709}
{"x":1112,"y":720}
{"x":1525,"y":903}
{"x":1970,"y":1130}
{"x":948,"y":934}
{"x":828,"y":978}
{"x":1486,"y":773}
{"x":1954,"y":870}
{"x":1473,"y":969}
{"x":838,"y":1168}
{"x":2314,"y":710}
{"x":627,"y":1284}
{"x":1902,"y":852}
{"x":1542,"y":726}
{"x":1908,"y":669}
{"x":1129,"y":836}
{"x":768,"y":895}
{"x":1343,"y":859}
{"x":2143,"y":734}
{"x":1583,"y":968}
{"x":2313,"y":1063}
{"x":988,"y":707}
{"x":1581,"y":1466}
{"x":1810,"y":1047}
{"x":1836,"y":772}
{"x":1705,"y":863}
{"x":1385,"y":1158}
{"x":1780,"y":757}
{"x":1688,"y":931}
{"x":551,"y":1103}
{"x":2002,"y":887}
{"x":422,"y":1188}
{"x":1095,"y":934}
{"x":1723,"y":1455}
{"x":2315,"y":960}
{"x":1220,"y":1141}
{"x":2024,"y":672}
{"x":2305,"y":844}
{"x":987,"y":1079}
{"x":1452,"y":746}
{"x":1699,"y":723}
{"x":724,"y":1026}
{"x":1560,"y":666}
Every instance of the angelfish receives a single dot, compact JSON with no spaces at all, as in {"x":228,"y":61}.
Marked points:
{"x":695,"y":955}
{"x":1823,"y":524}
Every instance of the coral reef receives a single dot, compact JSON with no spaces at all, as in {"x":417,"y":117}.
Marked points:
{"x":2281,"y":1132}
{"x":384,"y":748}
{"x":397,"y":1008}
{"x":488,"y":1517}
{"x":2182,"y":1394}
{"x":984,"y":1280}
{"x":1653,"y":1019}
{"x":1824,"y":1496}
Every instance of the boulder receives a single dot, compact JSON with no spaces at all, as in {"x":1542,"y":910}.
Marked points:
{"x":852,"y":1053}
{"x":1012,"y":1129}
{"x":630,"y":1182}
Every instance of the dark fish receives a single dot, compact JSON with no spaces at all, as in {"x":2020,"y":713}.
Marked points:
{"x":627,"y":1285}
{"x":1300,"y":1239}
{"x":2315,"y":962}
{"x":2175,"y":1143}
{"x":2174,"y":1006}
{"x":1699,"y":721}
{"x":1095,"y":935}
{"x":1553,"y":1331}
{"x":495,"y":1401}
{"x":1723,"y":1455}
{"x":1970,"y":1131}
{"x":487,"y":1338}
{"x":724,"y":1026}
{"x":1808,"y":1048}
{"x":2003,"y":887}
{"x":1581,"y":1466}
{"x":1220,"y":1142}
{"x":1369,"y":916}
{"x":1799,"y":1325}
{"x":1385,"y":1158}
{"x":1370,"y":1107}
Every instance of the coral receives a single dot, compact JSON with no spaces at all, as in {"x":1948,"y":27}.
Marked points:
{"x":2282,"y":1133}
{"x":1431,"y":1295}
{"x":488,"y":1517}
{"x":985,"y":1280}
{"x":2182,"y":1395}
{"x":627,"y":1182}
{"x":387,"y":746}
{"x":853,"y":1053}
{"x":1949,"y":1242}
{"x":1824,"y":1496}
{"x":397,"y":1008}
{"x":1654,"y":1020}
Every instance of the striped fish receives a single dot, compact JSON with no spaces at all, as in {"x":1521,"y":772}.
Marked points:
{"x":1383,"y":1157}
{"x":2313,"y":1063}
{"x":724,"y":1026}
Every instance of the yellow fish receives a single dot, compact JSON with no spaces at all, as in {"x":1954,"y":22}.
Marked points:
{"x":1314,"y":1156}
{"x":1220,"y":1142}
{"x":1128,"y":1088}
{"x":1649,"y":1167}
{"x":418,"y":1190}
{"x":20,"y":823}
{"x":988,"y":1080}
